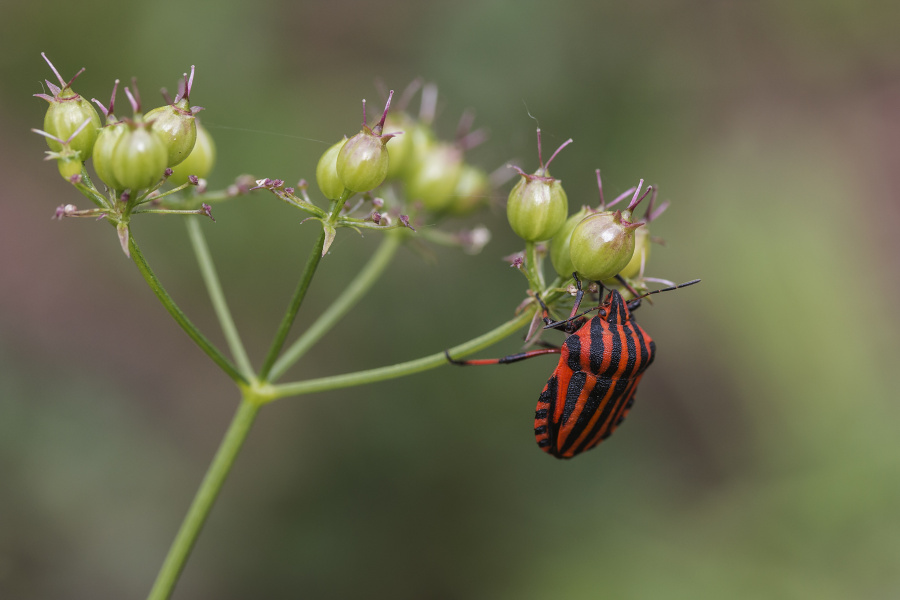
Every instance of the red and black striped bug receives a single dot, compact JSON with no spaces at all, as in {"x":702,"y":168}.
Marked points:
{"x":601,"y":363}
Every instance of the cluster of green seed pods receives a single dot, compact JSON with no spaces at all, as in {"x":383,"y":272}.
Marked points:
{"x":131,"y":153}
{"x":168,"y":142}
{"x":432,"y":172}
{"x":596,"y":244}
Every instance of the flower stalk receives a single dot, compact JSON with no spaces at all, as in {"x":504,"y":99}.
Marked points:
{"x":205,"y":498}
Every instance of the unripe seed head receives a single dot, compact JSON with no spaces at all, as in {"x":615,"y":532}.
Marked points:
{"x":434,"y":176}
{"x":403,"y":150}
{"x":176,"y":127}
{"x":139,"y":157}
{"x":471,"y":191}
{"x":362,"y":162}
{"x":326,"y":172}
{"x":559,"y":245}
{"x":66,"y":114}
{"x":68,"y":161}
{"x":69,"y":165}
{"x":641,"y":254}
{"x":199,"y":162}
{"x":602,"y":244}
{"x":104,"y":151}
{"x":537,"y":207}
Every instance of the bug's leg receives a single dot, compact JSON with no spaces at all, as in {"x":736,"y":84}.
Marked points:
{"x":571,"y":324}
{"x":575,"y":320}
{"x":579,"y":295}
{"x":501,"y":361}
{"x":567,"y":325}
{"x":545,"y":312}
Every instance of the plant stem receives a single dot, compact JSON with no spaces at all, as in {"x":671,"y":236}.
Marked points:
{"x":180,"y":317}
{"x":402,"y":369}
{"x":204,"y":499}
{"x":532,"y":270}
{"x":87,"y":189}
{"x":284,"y":328}
{"x":340,"y":307}
{"x":214,"y":288}
{"x":312,"y":264}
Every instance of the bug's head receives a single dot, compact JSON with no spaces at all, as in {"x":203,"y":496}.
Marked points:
{"x":614,"y":309}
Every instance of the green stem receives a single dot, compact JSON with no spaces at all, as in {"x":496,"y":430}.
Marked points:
{"x":532,"y":272}
{"x":312,"y":264}
{"x":89,"y":191}
{"x":167,"y":211}
{"x":340,"y":307}
{"x":204,"y":499}
{"x":284,"y":328}
{"x":217,"y":296}
{"x":402,"y":369}
{"x":181,"y":187}
{"x":180,"y":317}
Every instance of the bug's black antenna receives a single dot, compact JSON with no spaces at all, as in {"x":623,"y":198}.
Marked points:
{"x":633,"y":304}
{"x":670,"y":288}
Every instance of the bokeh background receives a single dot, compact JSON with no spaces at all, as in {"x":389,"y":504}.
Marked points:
{"x":762,"y":458}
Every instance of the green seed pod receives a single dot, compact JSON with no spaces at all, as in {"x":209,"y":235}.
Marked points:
{"x":326,"y":172}
{"x":421,"y":137}
{"x":68,"y":161}
{"x":559,"y":245}
{"x":174,"y":123}
{"x":199,"y":162}
{"x":537,"y":207}
{"x":403,"y":149}
{"x":139,"y":157}
{"x":69,"y":165}
{"x":641,"y":254}
{"x":601,"y":245}
{"x":176,"y":127}
{"x":362,"y":163}
{"x":472,"y":190}
{"x":103,"y":153}
{"x":434,"y":176}
{"x":537,"y":204}
{"x":66,"y":113}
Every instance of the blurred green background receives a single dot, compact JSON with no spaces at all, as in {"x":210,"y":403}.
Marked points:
{"x":762,"y":458}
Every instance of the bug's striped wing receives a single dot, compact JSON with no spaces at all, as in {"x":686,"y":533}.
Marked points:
{"x":593,"y":386}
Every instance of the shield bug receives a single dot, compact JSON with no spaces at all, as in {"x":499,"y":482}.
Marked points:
{"x":601,"y":364}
